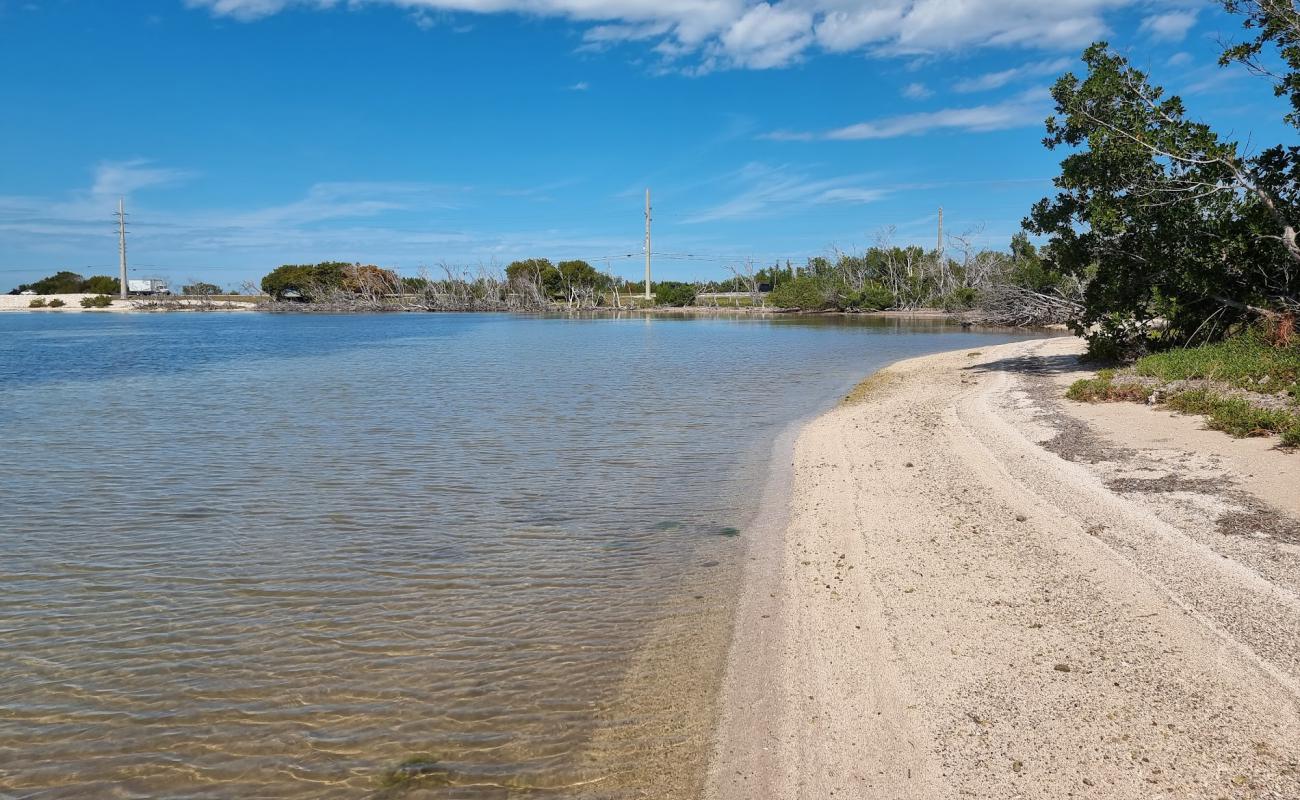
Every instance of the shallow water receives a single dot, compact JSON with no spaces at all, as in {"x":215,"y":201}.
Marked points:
{"x":278,"y":556}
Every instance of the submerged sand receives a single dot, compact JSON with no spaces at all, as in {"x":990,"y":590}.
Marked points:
{"x":984,"y":590}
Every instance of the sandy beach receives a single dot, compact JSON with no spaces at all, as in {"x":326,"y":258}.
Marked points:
{"x":985,"y":590}
{"x":72,"y":303}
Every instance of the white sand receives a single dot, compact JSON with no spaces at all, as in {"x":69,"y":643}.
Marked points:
{"x":72,"y":302}
{"x":987,"y":591}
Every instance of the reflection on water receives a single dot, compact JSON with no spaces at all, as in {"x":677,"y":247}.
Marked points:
{"x":415,"y":555}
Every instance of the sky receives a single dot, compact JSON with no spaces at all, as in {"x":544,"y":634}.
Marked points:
{"x":244,"y":134}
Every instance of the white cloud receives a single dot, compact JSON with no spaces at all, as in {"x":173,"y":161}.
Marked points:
{"x":1179,"y":59}
{"x":1169,"y":27}
{"x":761,"y":190}
{"x":580,"y":86}
{"x":916,"y":91}
{"x":763,"y":34}
{"x":996,"y":80}
{"x":1025,"y":109}
{"x":125,"y":177}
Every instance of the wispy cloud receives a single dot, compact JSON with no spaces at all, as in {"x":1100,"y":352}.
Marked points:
{"x":760,"y":190}
{"x":996,"y":80}
{"x":729,"y":34}
{"x":580,"y":86}
{"x":125,"y":177}
{"x":916,"y":91}
{"x":1028,"y":108}
{"x":1171,"y":26}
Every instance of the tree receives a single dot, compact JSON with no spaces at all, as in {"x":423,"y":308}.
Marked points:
{"x":100,"y":284}
{"x":1165,"y":221}
{"x":312,"y":281}
{"x":806,"y":292}
{"x":62,"y":282}
{"x":675,"y":293}
{"x":201,"y":289}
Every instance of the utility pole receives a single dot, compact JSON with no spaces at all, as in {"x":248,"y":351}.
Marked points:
{"x":121,"y":246}
{"x":647,"y":243}
{"x":939,"y":245}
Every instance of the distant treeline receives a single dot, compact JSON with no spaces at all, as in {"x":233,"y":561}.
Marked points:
{"x":66,"y":282}
{"x":883,"y":277}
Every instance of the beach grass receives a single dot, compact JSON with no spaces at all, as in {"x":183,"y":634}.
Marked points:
{"x":1240,"y":375}
{"x":1246,"y":362}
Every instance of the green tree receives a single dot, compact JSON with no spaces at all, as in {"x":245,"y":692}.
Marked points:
{"x":62,"y":282}
{"x":806,"y":292}
{"x":1163,"y":218}
{"x":308,"y":280}
{"x":101,"y":284}
{"x":536,"y":272}
{"x":201,"y":288}
{"x":675,"y":293}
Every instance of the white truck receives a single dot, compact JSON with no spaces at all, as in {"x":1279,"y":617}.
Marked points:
{"x":147,"y":286}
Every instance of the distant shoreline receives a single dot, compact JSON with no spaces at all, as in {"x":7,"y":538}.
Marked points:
{"x":72,"y":303}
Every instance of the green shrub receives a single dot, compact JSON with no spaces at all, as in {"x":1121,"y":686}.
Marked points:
{"x":674,"y":293}
{"x":806,"y":292}
{"x":1233,"y":415}
{"x":1247,"y":361}
{"x":38,"y":302}
{"x":100,"y":284}
{"x":1291,"y":435}
{"x":56,"y":303}
{"x":98,"y":301}
{"x":872,"y":297}
{"x":962,"y":299}
{"x":1104,"y":389}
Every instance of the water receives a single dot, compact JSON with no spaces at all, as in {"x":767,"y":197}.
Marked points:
{"x":471,"y":556}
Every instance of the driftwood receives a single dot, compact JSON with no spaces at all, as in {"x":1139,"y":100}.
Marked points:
{"x":1016,"y":306}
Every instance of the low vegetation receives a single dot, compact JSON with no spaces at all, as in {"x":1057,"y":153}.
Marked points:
{"x":97,"y":301}
{"x":1248,"y":361}
{"x":1248,"y":385}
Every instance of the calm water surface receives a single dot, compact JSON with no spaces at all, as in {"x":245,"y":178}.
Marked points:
{"x":471,"y":556}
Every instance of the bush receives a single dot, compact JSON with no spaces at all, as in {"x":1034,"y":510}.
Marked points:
{"x":674,"y":293}
{"x":873,"y":297}
{"x":963,"y":299}
{"x":38,"y":302}
{"x":1291,"y":436}
{"x":98,"y":301}
{"x":100,"y":284}
{"x":201,"y":288}
{"x":1103,"y":389}
{"x":1233,"y":415}
{"x":1247,"y":362}
{"x":56,"y":303}
{"x":806,"y":293}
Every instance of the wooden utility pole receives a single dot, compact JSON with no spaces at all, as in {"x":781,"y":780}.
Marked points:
{"x":647,"y":243}
{"x":121,"y":246}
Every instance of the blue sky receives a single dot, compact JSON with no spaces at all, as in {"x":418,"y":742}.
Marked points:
{"x":249,"y":133}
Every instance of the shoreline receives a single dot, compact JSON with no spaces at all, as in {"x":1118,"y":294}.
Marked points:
{"x":20,"y":303}
{"x":981,"y":590}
